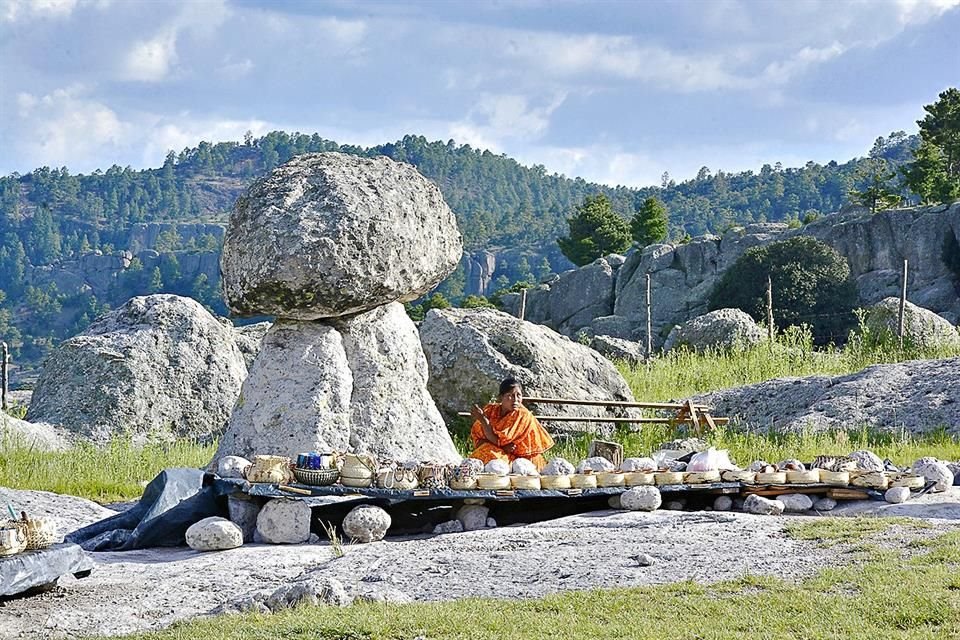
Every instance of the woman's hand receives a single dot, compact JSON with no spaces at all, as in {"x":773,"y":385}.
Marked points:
{"x":477,"y":413}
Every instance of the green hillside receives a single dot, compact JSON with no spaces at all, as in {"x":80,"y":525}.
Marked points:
{"x":62,"y":236}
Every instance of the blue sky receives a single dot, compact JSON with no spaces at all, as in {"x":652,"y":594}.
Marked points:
{"x":616,"y":92}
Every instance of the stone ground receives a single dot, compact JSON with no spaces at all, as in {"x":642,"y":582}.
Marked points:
{"x":144,"y":590}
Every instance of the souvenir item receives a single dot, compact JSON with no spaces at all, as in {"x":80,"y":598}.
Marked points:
{"x":271,"y":469}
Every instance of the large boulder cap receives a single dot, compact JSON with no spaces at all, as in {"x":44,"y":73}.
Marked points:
{"x":330,"y":234}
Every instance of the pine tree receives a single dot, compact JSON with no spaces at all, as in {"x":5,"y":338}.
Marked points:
{"x":935,"y":172}
{"x":156,"y":281}
{"x":649,"y":223}
{"x":595,"y":231}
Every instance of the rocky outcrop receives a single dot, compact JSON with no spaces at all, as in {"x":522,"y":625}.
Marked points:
{"x":918,"y":396}
{"x":618,"y":350}
{"x":684,"y":275}
{"x":39,"y":436}
{"x":159,"y":366}
{"x":723,"y":329}
{"x":249,"y":339}
{"x":471,"y":350}
{"x":921,"y":328}
{"x":69,"y":512}
{"x":329,"y":234}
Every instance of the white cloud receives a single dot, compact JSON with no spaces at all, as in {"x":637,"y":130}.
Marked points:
{"x":66,"y":125}
{"x":782,"y":71}
{"x":920,"y":11}
{"x":150,"y":60}
{"x":497,"y":118}
{"x":15,"y":10}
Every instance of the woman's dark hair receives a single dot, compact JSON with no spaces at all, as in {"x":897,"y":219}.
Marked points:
{"x":507,"y":385}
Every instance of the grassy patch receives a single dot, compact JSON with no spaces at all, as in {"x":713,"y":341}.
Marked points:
{"x":847,"y":530}
{"x":884,"y":597}
{"x":105,"y":474}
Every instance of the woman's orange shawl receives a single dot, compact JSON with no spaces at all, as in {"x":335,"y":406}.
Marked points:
{"x":518,"y":428}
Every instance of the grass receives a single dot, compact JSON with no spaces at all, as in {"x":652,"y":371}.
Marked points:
{"x":883,"y":595}
{"x":105,"y":474}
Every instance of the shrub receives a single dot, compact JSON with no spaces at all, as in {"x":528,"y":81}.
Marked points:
{"x":811,"y":285}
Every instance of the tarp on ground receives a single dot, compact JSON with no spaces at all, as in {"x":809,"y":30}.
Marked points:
{"x":174,"y":500}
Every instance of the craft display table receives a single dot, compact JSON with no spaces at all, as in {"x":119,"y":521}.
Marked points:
{"x":30,"y":569}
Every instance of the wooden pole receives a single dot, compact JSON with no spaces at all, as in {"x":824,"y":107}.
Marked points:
{"x":4,"y":374}
{"x":770,"y":311}
{"x":523,"y":303}
{"x":649,"y":321}
{"x":903,"y":303}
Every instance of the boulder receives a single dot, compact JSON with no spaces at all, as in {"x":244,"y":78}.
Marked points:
{"x":450,"y":526}
{"x":796,"y":502}
{"x":296,"y":398}
{"x":617,"y":349}
{"x":243,"y":512}
{"x":867,"y":460}
{"x":934,"y":471}
{"x":249,"y":339}
{"x":473,"y":516}
{"x":641,"y":499}
{"x":763,"y":506}
{"x":470,"y":351}
{"x":214,"y":534}
{"x":283,"y":521}
{"x":69,"y":512}
{"x":825,"y":504}
{"x":896,"y":495}
{"x":331,"y":234}
{"x":721,"y":329}
{"x":723,"y":503}
{"x":392,"y":413}
{"x":922,"y":328}
{"x":920,"y":395}
{"x":232,"y":467}
{"x":357,"y":384}
{"x":675,"y":505}
{"x":580,"y":295}
{"x":159,"y":366}
{"x":366,"y":523}
{"x":613,"y":326}
{"x":312,"y":590}
{"x":39,"y":436}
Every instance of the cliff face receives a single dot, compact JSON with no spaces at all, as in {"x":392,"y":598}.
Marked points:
{"x":608,"y":296}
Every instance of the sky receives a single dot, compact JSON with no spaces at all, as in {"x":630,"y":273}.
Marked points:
{"x":614,"y":92}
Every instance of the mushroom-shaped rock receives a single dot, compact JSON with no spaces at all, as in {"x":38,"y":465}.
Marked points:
{"x":330,"y":234}
{"x":283,"y":521}
{"x":641,"y":499}
{"x":214,"y":534}
{"x":366,"y":523}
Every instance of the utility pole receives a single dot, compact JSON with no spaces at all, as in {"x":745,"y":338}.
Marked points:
{"x":770,"y":311}
{"x":903,"y":304}
{"x":649,"y":322}
{"x":4,"y":374}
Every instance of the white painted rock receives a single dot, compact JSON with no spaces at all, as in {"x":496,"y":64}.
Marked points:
{"x":232,"y":467}
{"x":473,"y":516}
{"x":366,"y":523}
{"x":641,"y":499}
{"x":214,"y":534}
{"x":283,"y":521}
{"x":825,"y":504}
{"x":762,"y":506}
{"x":896,"y":495}
{"x":934,"y":471}
{"x":867,"y":460}
{"x":558,"y":467}
{"x":499,"y":467}
{"x":523,"y":467}
{"x":796,"y":502}
{"x":596,"y":463}
{"x":330,"y":234}
{"x":638,"y":464}
{"x":723,"y":503}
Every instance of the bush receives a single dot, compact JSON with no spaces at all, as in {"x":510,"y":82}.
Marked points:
{"x":811,"y":285}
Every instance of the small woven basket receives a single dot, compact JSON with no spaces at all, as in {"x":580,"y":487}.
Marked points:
{"x":610,"y":479}
{"x":583,"y":481}
{"x":316,"y":477}
{"x":555,"y":482}
{"x":13,"y":538}
{"x":835,"y":478}
{"x":810,"y":476}
{"x":637,"y":478}
{"x":701,"y":477}
{"x":739,"y":475}
{"x":524,"y":482}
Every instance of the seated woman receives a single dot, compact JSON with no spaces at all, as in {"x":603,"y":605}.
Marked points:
{"x":507,"y":430}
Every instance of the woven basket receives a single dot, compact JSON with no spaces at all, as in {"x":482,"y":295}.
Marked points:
{"x":270,"y":469}
{"x":772,"y":477}
{"x":835,"y":478}
{"x":661,"y":478}
{"x":397,"y":478}
{"x":583,"y":481}
{"x":811,"y":476}
{"x":13,"y":538}
{"x":464,"y":484}
{"x":637,"y":478}
{"x":41,"y":532}
{"x":357,"y":483}
{"x":554,"y":482}
{"x":518,"y":481}
{"x":492,"y":481}
{"x":701,"y":477}
{"x":871,"y":480}
{"x":736,"y":475}
{"x":611,"y":479}
{"x":910,"y":482}
{"x":316,"y":477}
